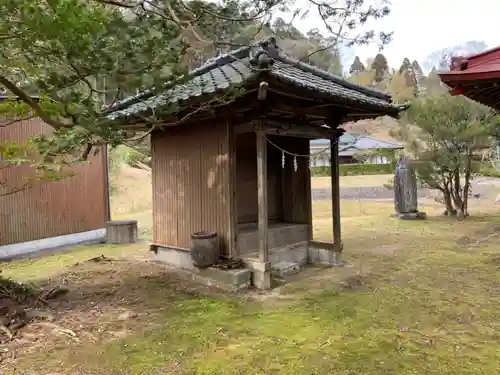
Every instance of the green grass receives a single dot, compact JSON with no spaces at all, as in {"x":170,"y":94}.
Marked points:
{"x":423,"y":304}
{"x":32,"y":269}
{"x":352,"y":181}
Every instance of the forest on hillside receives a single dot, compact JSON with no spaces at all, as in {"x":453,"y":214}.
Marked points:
{"x":404,"y":80}
{"x":56,"y":63}
{"x":80,"y":61}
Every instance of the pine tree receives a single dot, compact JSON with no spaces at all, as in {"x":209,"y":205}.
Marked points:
{"x":364,"y":78}
{"x":77,"y":55}
{"x":356,"y":67}
{"x":419,"y":73}
{"x":380,"y":67}
{"x":433,"y":82}
{"x":419,"y":76}
{"x":444,"y":133}
{"x":399,"y":89}
{"x":406,"y":65}
{"x":406,"y":70}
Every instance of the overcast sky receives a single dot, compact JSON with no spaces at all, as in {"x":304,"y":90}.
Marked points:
{"x":423,"y":26}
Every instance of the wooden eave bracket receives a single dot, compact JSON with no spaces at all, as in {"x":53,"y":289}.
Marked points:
{"x":262,"y":92}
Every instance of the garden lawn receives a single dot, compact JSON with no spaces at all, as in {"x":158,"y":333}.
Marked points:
{"x":417,"y":298}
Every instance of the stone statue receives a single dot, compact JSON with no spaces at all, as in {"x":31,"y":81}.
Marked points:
{"x":405,"y":191}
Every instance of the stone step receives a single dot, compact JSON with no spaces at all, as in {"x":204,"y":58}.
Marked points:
{"x":283,"y":269}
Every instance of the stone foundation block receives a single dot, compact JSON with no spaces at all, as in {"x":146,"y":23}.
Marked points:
{"x":232,"y":280}
{"x":261,"y":273}
{"x":325,"y":257}
{"x":284,"y":269}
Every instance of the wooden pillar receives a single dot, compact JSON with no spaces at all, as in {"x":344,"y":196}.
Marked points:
{"x":335,"y":181}
{"x":233,"y":248}
{"x":262,"y":194}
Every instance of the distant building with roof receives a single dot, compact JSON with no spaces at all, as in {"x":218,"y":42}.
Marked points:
{"x":352,"y":145}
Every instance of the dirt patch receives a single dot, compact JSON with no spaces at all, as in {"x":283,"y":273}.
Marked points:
{"x":313,"y":280}
{"x":105,"y":299}
{"x":357,"y":281}
{"x":134,"y":173}
{"x":464,"y":241}
{"x":481,"y":235}
{"x":494,"y":260}
{"x":386,"y":250}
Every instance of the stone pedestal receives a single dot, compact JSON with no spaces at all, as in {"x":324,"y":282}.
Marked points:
{"x":121,"y":231}
{"x":261,"y":273}
{"x":411,"y":216}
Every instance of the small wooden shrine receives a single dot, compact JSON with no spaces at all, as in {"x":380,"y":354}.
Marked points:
{"x":234,"y":157}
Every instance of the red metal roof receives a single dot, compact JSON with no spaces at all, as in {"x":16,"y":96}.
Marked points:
{"x":476,"y":76}
{"x":485,"y":55}
{"x":484,"y":65}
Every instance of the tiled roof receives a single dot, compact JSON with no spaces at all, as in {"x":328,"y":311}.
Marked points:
{"x":344,"y":139}
{"x":368,"y":142}
{"x":240,"y":66}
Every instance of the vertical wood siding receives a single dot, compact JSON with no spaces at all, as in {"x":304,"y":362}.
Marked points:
{"x":50,"y":208}
{"x":191,"y":184}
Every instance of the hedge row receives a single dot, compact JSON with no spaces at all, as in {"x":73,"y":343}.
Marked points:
{"x":373,"y":169}
{"x":489,"y":172}
{"x":353,"y":170}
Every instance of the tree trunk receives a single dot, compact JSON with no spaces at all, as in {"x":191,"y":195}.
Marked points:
{"x":456,"y":194}
{"x":450,"y":210}
{"x":459,"y":208}
{"x":465,"y":198}
{"x":468,"y":173}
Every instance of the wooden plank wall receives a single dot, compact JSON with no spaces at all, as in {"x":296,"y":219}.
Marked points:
{"x":50,"y":208}
{"x":191,"y":184}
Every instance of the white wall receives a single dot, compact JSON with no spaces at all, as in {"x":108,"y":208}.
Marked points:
{"x":321,"y":162}
{"x":377,"y":159}
{"x":324,"y":161}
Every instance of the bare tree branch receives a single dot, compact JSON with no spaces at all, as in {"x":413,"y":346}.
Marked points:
{"x":8,"y":123}
{"x":30,"y":101}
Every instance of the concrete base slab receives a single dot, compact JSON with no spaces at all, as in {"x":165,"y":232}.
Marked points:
{"x":173,"y":257}
{"x":51,"y":245}
{"x":288,"y":260}
{"x":283,"y":262}
{"x":325,"y":257}
{"x":295,"y":253}
{"x":231,"y":280}
{"x":284,"y":269}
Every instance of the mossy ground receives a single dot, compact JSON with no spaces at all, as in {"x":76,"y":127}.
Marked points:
{"x":418,"y":297}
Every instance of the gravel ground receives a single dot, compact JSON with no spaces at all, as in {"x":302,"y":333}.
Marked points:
{"x":487,"y":188}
